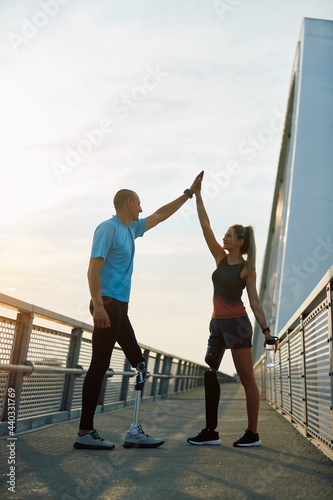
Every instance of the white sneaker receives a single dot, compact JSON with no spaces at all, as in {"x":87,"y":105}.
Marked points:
{"x":141,"y":440}
{"x":92,"y":441}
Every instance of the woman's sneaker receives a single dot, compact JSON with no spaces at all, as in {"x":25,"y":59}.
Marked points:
{"x":92,"y":441}
{"x":249,"y":439}
{"x":205,"y":436}
{"x":141,"y":440}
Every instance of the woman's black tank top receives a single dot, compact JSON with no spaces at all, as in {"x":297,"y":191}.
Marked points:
{"x":228,"y":289}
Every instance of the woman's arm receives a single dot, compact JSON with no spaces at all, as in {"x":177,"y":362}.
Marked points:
{"x":255,"y":303}
{"x":215,"y":248}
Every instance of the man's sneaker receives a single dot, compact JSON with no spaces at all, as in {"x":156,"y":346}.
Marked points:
{"x":141,"y":440}
{"x":249,"y":439}
{"x":205,"y":437}
{"x":92,"y":441}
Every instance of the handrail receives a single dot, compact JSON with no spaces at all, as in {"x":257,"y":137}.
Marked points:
{"x":38,"y":359}
{"x":18,"y":305}
{"x":29,"y":368}
{"x":301,"y":383}
{"x":21,"y":306}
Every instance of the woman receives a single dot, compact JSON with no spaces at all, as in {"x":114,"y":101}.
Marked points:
{"x":230,"y":327}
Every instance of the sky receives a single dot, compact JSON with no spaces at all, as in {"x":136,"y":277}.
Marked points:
{"x":103,"y":95}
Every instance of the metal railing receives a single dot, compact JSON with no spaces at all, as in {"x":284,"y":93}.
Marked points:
{"x":301,"y":385}
{"x":42,"y":369}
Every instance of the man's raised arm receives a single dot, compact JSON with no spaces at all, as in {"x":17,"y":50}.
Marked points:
{"x":166,"y":211}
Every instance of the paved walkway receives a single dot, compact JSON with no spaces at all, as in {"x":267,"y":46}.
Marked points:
{"x":286,"y":466}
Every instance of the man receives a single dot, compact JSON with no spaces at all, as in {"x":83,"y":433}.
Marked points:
{"x":109,"y":276}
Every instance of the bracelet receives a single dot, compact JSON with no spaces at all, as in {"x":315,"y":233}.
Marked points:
{"x":188,"y":192}
{"x":266,"y":330}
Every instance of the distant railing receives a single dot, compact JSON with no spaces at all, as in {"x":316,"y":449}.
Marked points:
{"x":42,"y":368}
{"x":301,"y":384}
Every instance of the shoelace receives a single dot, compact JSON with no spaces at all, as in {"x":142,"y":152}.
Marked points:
{"x":141,"y":431}
{"x":95,"y":435}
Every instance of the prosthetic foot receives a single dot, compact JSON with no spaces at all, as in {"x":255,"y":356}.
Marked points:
{"x":135,"y":436}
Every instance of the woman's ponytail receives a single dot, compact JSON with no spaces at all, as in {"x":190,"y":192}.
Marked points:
{"x":249,"y":245}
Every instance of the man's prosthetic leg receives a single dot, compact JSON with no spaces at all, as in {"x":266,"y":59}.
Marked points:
{"x":213,"y":359}
{"x":139,"y":383}
{"x":135,"y":437}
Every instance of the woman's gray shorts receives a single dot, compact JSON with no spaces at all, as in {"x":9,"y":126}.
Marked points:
{"x":230,"y":333}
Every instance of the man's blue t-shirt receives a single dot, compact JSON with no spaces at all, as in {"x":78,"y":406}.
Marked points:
{"x":114,"y":242}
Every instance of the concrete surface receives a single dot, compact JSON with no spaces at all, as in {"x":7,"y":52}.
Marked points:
{"x":286,"y":466}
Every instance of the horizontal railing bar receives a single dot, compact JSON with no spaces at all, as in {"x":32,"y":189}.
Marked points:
{"x":30,"y":368}
{"x":19,"y":305}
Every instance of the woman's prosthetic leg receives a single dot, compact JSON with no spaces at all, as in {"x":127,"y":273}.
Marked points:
{"x":213,"y":359}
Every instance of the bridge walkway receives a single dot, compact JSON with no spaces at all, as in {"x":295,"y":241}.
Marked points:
{"x":287,"y":465}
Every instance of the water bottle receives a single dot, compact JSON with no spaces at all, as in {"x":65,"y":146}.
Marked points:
{"x":270,"y":352}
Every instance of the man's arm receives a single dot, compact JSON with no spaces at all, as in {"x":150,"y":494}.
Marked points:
{"x":166,"y":211}
{"x":101,"y":317}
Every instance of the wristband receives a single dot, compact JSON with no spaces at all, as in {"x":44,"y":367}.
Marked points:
{"x":266,"y":330}
{"x":188,"y":192}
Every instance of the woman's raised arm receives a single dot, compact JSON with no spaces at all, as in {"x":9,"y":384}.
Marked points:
{"x":215,"y":248}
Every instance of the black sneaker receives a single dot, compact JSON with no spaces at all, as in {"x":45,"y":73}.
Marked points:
{"x":249,"y":439}
{"x":205,"y":437}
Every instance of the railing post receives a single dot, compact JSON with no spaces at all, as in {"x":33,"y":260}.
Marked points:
{"x":125,"y":382}
{"x":184,"y":380}
{"x":197,"y":374}
{"x":329,"y":291}
{"x":289,"y":377}
{"x":155,"y":379}
{"x":166,"y":367}
{"x":72,"y":362}
{"x":280,"y":377}
{"x":191,"y":373}
{"x":263,"y":379}
{"x":304,"y":375}
{"x":179,"y":370}
{"x":188,"y":372}
{"x":146,"y":356}
{"x":18,"y":357}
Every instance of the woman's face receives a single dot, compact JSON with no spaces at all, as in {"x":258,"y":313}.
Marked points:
{"x":228,"y":239}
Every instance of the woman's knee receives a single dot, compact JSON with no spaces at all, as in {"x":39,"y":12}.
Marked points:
{"x":247,"y":379}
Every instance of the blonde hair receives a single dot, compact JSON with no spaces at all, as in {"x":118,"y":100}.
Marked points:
{"x":122,"y":196}
{"x":249,"y":246}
